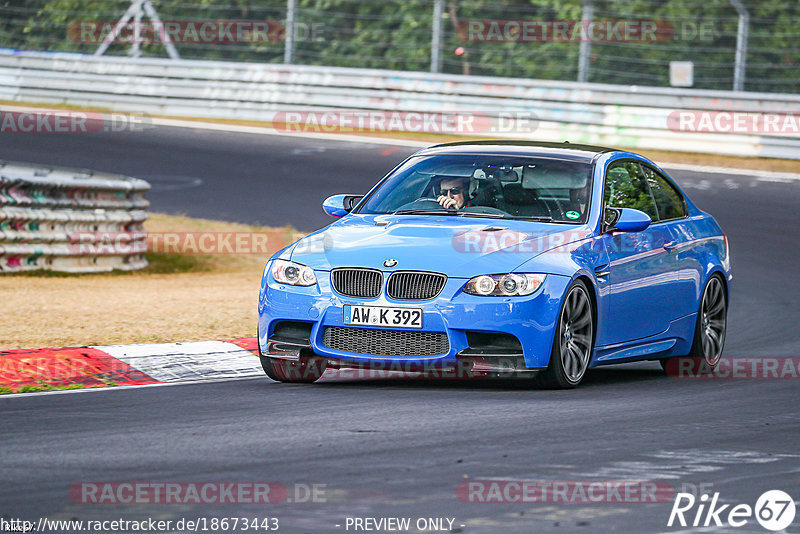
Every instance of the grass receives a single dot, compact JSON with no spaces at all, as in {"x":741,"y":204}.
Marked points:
{"x":47,"y":387}
{"x":43,"y":386}
{"x":178,"y":297}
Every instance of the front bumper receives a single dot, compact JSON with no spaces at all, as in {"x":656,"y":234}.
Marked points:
{"x":530,"y":319}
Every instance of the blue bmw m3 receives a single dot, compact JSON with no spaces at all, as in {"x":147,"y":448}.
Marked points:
{"x":500,"y":258}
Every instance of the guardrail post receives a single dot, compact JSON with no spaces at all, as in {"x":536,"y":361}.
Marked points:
{"x":136,"y":49}
{"x":436,"y":36}
{"x":585,"y":51}
{"x":288,"y":50}
{"x":135,"y":12}
{"x":172,"y":52}
{"x":741,"y":45}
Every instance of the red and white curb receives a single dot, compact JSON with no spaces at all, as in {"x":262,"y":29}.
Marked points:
{"x":128,"y":365}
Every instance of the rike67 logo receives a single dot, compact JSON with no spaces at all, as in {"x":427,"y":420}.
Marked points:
{"x":774,"y":510}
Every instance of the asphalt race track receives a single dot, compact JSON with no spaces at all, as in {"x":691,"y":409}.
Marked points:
{"x":248,"y":178}
{"x":400,"y":448}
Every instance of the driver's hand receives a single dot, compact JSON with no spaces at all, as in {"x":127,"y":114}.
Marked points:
{"x":447,"y":202}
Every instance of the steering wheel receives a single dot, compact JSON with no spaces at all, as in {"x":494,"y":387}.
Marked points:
{"x":550,"y":203}
{"x":483,"y":209}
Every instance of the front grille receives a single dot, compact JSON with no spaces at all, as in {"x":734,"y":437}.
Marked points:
{"x":415,"y":285}
{"x":364,"y":283}
{"x":402,"y":343}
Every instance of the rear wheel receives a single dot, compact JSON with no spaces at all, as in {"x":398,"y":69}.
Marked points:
{"x":574,"y":339}
{"x":711,"y":325}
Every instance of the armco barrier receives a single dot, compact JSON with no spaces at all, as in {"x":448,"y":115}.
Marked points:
{"x":616,"y":115}
{"x":70,"y":220}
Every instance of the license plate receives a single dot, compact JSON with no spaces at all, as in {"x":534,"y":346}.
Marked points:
{"x":383,"y":316}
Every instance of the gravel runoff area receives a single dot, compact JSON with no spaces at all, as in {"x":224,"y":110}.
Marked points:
{"x":179,"y":297}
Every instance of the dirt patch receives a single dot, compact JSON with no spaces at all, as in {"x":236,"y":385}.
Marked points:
{"x":179,"y":297}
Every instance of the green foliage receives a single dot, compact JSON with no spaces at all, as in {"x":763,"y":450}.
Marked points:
{"x":396,"y":34}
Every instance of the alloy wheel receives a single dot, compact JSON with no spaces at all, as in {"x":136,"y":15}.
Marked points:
{"x":575,"y":331}
{"x":713,"y":321}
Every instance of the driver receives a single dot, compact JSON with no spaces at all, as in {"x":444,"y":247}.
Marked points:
{"x":453,"y":193}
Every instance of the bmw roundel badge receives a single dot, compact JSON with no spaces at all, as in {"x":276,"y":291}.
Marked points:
{"x":389,"y":263}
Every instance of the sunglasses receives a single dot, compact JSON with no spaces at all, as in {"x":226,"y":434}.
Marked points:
{"x":453,"y":190}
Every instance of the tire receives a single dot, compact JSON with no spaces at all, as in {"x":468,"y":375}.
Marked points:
{"x":573,"y":342}
{"x":710,"y":327}
{"x":303,"y":371}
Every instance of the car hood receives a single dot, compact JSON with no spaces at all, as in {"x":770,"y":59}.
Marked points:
{"x":460,"y":247}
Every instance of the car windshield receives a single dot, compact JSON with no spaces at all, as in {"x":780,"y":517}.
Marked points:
{"x":550,"y":190}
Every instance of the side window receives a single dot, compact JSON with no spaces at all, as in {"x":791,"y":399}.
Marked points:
{"x":668,"y":200}
{"x":626,"y":187}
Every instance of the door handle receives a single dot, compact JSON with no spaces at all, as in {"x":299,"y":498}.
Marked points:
{"x":672,"y":245}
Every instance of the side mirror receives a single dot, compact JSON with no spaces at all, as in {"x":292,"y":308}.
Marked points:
{"x":628,"y":220}
{"x":340,"y":205}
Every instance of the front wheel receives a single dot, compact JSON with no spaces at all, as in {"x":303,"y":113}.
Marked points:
{"x":302,"y":371}
{"x":574,"y":340}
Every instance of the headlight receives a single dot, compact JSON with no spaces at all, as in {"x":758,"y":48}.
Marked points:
{"x":289,"y":272}
{"x":504,"y":285}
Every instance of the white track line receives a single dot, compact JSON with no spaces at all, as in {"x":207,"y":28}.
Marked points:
{"x":8,"y":396}
{"x":263,"y":130}
{"x":365,"y":139}
{"x":774,"y":175}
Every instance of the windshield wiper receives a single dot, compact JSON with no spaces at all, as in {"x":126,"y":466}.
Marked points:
{"x":481,"y":214}
{"x":539,"y":218}
{"x":426,"y":212}
{"x":453,"y":213}
{"x":443,"y":211}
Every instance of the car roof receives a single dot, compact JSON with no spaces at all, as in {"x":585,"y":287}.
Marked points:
{"x":566,"y":150}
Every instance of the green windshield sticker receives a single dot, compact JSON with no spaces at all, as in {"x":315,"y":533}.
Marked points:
{"x":572,"y":215}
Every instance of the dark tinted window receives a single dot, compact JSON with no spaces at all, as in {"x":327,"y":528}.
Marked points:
{"x":493,"y":185}
{"x":668,"y":200}
{"x":626,"y":187}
